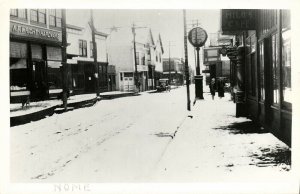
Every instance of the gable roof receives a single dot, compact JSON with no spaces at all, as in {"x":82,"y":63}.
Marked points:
{"x":161,"y":45}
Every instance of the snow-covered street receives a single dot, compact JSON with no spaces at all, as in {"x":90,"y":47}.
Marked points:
{"x":131,"y":139}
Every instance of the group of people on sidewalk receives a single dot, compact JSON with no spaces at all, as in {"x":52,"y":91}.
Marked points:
{"x":217,"y":85}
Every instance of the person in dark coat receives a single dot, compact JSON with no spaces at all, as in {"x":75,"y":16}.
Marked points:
{"x":212,"y":87}
{"x":221,"y":85}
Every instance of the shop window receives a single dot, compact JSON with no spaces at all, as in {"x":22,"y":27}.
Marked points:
{"x":18,"y":74}
{"x":78,"y":81}
{"x":38,"y":15}
{"x":55,"y":17}
{"x":54,"y":75}
{"x":104,"y":67}
{"x":286,"y":56}
{"x":83,"y":48}
{"x":275,"y":69}
{"x":262,"y":71}
{"x":77,"y":76}
{"x":18,"y":66}
{"x":54,"y":53}
{"x":19,"y":13}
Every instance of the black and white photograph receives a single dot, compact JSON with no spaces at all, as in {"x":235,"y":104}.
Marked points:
{"x":155,"y":96}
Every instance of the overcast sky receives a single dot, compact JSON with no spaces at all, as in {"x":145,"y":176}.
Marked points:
{"x":169,"y":23}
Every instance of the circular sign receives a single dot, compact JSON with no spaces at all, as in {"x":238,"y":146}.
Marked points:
{"x":197,"y":37}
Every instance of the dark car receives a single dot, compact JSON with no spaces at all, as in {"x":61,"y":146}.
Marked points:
{"x":163,"y":85}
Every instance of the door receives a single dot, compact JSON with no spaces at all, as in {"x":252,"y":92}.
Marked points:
{"x":40,"y":89}
{"x":89,"y":80}
{"x":128,"y":84}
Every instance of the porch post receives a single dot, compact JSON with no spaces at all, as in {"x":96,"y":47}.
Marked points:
{"x":240,"y":83}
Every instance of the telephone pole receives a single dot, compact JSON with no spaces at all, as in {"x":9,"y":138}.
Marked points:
{"x":169,"y":62}
{"x":64,"y":60}
{"x":96,"y":67}
{"x":134,"y":50}
{"x":135,"y":62}
{"x":187,"y":76}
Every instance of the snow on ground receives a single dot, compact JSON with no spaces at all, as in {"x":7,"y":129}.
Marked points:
{"x":114,"y":93}
{"x":124,"y":130}
{"x":216,"y":146}
{"x":17,"y":110}
{"x":130,"y":140}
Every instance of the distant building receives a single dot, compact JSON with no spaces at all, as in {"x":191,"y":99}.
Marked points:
{"x":35,"y":53}
{"x":148,"y":58}
{"x":174,"y":70}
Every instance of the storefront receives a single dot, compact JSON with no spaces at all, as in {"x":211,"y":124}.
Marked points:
{"x":111,"y":72}
{"x":35,"y":61}
{"x":262,"y":67}
{"x":83,"y":78}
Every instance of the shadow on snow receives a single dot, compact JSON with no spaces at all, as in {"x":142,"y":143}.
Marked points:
{"x":242,"y":128}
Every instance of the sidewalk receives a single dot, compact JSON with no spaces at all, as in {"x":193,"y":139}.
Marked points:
{"x":41,"y":109}
{"x":214,"y":145}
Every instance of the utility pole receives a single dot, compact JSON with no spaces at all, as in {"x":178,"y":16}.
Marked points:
{"x":134,"y":50}
{"x":187,"y":77}
{"x":96,"y":67}
{"x":169,"y":62}
{"x":64,"y":60}
{"x":135,"y":62}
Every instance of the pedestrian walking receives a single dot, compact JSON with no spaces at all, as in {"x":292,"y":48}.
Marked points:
{"x":212,"y":87}
{"x":220,"y":84}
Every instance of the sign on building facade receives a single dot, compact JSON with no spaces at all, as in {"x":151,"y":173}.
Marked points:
{"x":238,"y":19}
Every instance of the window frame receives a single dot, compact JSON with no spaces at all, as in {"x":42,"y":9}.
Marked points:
{"x":275,"y":71}
{"x":82,"y":48}
{"x":262,"y":77}
{"x":18,"y":14}
{"x":285,"y":20}
{"x":38,"y":14}
{"x":55,"y":17}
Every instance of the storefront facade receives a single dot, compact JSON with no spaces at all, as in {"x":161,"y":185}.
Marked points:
{"x":84,"y":74}
{"x":35,"y":54}
{"x":262,"y":68}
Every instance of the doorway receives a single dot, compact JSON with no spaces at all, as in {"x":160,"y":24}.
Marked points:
{"x":40,"y":87}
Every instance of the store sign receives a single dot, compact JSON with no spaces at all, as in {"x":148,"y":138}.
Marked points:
{"x":238,"y":19}
{"x":225,"y":42}
{"x":34,"y":32}
{"x":212,"y":55}
{"x":142,"y":68}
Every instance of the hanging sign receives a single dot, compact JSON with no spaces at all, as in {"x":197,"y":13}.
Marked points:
{"x":197,"y":37}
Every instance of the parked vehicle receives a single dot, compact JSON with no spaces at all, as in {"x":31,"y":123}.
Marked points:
{"x":163,"y":85}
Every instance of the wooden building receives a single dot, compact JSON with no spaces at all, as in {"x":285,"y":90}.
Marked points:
{"x":35,"y":54}
{"x":261,"y":67}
